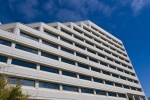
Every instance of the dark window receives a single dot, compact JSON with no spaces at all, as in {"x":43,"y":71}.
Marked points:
{"x":139,"y":89}
{"x":67,"y":61}
{"x":49,"y":69}
{"x":50,"y":34}
{"x":101,"y":55}
{"x":88,"y":36}
{"x":118,"y":85}
{"x":126,"y":87}
{"x":78,"y":38}
{"x":85,"y":77}
{"x":107,"y":52}
{"x":133,"y":88}
{"x":86,"y":29}
{"x":66,"y":73}
{"x":95,"y":69}
{"x":22,"y":81}
{"x":129,"y":67}
{"x":89,"y":43}
{"x":136,"y":81}
{"x":67,"y":50}
{"x":122,"y":77}
{"x":49,"y":85}
{"x":84,"y":90}
{"x":83,"y":66}
{"x":113,"y":67}
{"x":121,"y":70}
{"x":130,"y":80}
{"x":4,"y":42}
{"x":110,"y":59}
{"x":122,"y":95}
{"x":23,"y":63}
{"x":97,"y":80}
{"x":29,"y":36}
{"x":49,"y":55}
{"x":94,"y":60}
{"x":50,"y":44}
{"x":109,"y":83}
{"x":67,"y":41}
{"x":126,"y":72}
{"x":70,"y":88}
{"x":91,"y":51}
{"x":100,"y":92}
{"x":24,"y":48}
{"x":114,"y":75}
{"x":112,"y":94}
{"x":79,"y":46}
{"x":102,"y":63}
{"x":99,"y":48}
{"x":124,"y":65}
{"x":65,"y":31}
{"x":117,"y":62}
{"x":3,"y":59}
{"x":106,"y":73}
{"x":81,"y":55}
{"x":79,"y":31}
{"x":114,"y":55}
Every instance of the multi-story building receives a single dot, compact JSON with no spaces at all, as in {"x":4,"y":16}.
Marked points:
{"x":67,"y":61}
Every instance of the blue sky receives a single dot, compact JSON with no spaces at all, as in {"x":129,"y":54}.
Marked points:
{"x":129,"y":20}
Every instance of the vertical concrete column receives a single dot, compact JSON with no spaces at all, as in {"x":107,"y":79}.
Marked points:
{"x":41,"y":29}
{"x":16,"y":30}
{"x":127,"y":97}
{"x":133,"y":97}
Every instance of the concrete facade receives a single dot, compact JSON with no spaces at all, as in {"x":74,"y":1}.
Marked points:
{"x":68,"y":61}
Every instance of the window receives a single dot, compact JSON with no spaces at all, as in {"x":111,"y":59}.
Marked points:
{"x":120,"y":70}
{"x":81,"y":55}
{"x":136,"y":81}
{"x":67,"y":41}
{"x":126,"y":87}
{"x":100,"y":92}
{"x":139,"y":89}
{"x":110,"y":59}
{"x":49,"y":69}
{"x":112,"y":94}
{"x":3,"y":59}
{"x":114,"y":75}
{"x":90,"y":43}
{"x":50,"y":44}
{"x":84,"y":90}
{"x":23,"y":63}
{"x":78,"y":38}
{"x":133,"y":88}
{"x":117,"y":62}
{"x":66,"y":73}
{"x":113,"y":67}
{"x":106,"y":73}
{"x":121,"y":95}
{"x":91,"y":51}
{"x":49,"y":55}
{"x":101,"y":55}
{"x":50,"y":34}
{"x":97,"y":80}
{"x":65,"y":31}
{"x":109,"y":83}
{"x":79,"y":31}
{"x":118,"y":85}
{"x":126,"y":72}
{"x":94,"y":60}
{"x":88,"y":36}
{"x":83,"y":66}
{"x":67,"y":61}
{"x":49,"y":85}
{"x":122,"y":77}
{"x":104,"y":64}
{"x":95,"y":69}
{"x":130,"y":80}
{"x":84,"y":77}
{"x":4,"y":42}
{"x":29,"y":36}
{"x":70,"y":88}
{"x":67,"y":50}
{"x":99,"y":48}
{"x":79,"y":46}
{"x":22,"y":81}
{"x":24,"y":48}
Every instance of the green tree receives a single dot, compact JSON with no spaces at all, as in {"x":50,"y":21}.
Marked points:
{"x":10,"y":91}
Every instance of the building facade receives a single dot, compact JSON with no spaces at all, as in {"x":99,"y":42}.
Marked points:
{"x":67,"y":61}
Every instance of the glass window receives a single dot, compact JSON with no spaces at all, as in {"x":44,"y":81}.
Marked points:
{"x":118,"y":85}
{"x":100,"y":92}
{"x":133,"y":88}
{"x":94,"y":60}
{"x":121,"y":70}
{"x":79,"y":46}
{"x":122,"y":77}
{"x":65,"y":31}
{"x":66,"y":73}
{"x":50,"y":34}
{"x":24,"y":48}
{"x":79,"y":31}
{"x":111,"y":66}
{"x":3,"y":59}
{"x":110,"y":59}
{"x":130,"y":80}
{"x":67,"y":50}
{"x":49,"y":69}
{"x":139,"y":89}
{"x":29,"y":36}
{"x":121,"y":95}
{"x":83,"y":66}
{"x":105,"y":72}
{"x":23,"y":63}
{"x":114,"y":75}
{"x":22,"y":81}
{"x":67,"y":61}
{"x":104,"y":64}
{"x":97,"y":80}
{"x":85,"y":77}
{"x":126,"y":72}
{"x":70,"y":88}
{"x":91,"y":51}
{"x":90,"y":43}
{"x":126,"y":87}
{"x":67,"y":41}
{"x":112,"y":94}
{"x":95,"y":69}
{"x":109,"y":83}
{"x":49,"y":55}
{"x":84,"y":90}
{"x":4,"y":42}
{"x":101,"y":55}
{"x":81,"y":55}
{"x":78,"y":38}
{"x":50,"y":44}
{"x":49,"y":85}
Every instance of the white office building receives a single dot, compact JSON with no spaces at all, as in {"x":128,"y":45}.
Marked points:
{"x":67,"y":61}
